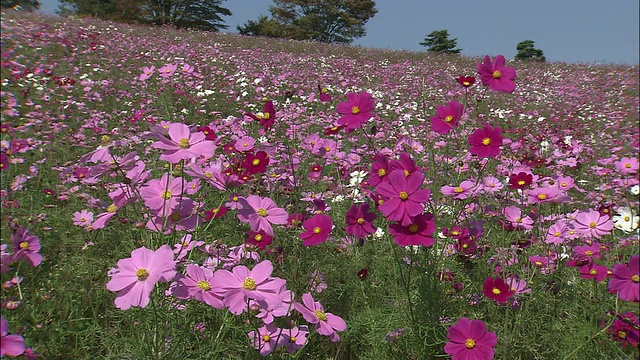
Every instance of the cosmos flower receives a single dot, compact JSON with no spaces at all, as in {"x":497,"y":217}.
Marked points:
{"x":326,"y":323}
{"x":260,"y":213}
{"x":625,"y":279}
{"x":447,"y":117}
{"x":355,"y":111}
{"x":318,"y":228}
{"x":469,"y":339}
{"x":494,"y":74}
{"x":486,"y":142}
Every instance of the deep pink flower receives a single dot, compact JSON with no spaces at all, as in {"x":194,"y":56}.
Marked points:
{"x":496,"y":75}
{"x":356,"y":110}
{"x":593,"y":271}
{"x":197,"y":283}
{"x":419,"y":232}
{"x":260,"y":213}
{"x":138,"y":274}
{"x":447,"y":117}
{"x":183,"y":144}
{"x":469,"y":340}
{"x":592,"y":224}
{"x":379,"y":170}
{"x":625,"y":279}
{"x":496,"y":289}
{"x":10,"y":345}
{"x":242,"y":284}
{"x":625,"y":329}
{"x":486,"y":142}
{"x":403,"y":197}
{"x":267,"y":117}
{"x":26,"y":246}
{"x":359,"y":221}
{"x":326,"y":323}
{"x":520,"y":180}
{"x":318,"y":228}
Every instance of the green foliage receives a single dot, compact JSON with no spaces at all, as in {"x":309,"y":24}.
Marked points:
{"x":328,"y":21}
{"x":26,"y":5}
{"x":199,"y":14}
{"x":527,"y":51}
{"x":438,"y":41}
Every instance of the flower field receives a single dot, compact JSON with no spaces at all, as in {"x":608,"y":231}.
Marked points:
{"x":176,"y":194}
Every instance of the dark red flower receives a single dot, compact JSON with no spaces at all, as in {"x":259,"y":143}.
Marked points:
{"x":363,"y":273}
{"x":496,"y":289}
{"x":256,"y":163}
{"x":520,"y":180}
{"x":466,"y":81}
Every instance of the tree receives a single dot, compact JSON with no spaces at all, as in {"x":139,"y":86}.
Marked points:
{"x":201,"y":14}
{"x":438,"y":41}
{"x":526,"y":51}
{"x":27,"y":5}
{"x":329,"y":21}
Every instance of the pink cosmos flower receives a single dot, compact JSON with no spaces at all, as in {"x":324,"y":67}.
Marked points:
{"x":592,"y":224}
{"x":356,"y":110}
{"x":26,"y":246}
{"x":147,"y":72}
{"x":294,"y":338}
{"x":625,"y":329}
{"x":10,"y":345}
{"x":167,"y":70}
{"x":197,"y":284}
{"x":462,"y":191}
{"x":627,"y":165}
{"x":494,"y":74}
{"x":241,"y":284}
{"x":379,"y":170}
{"x":212,"y":173}
{"x":266,"y":339}
{"x":260,"y":213}
{"x":82,"y":218}
{"x":326,"y":323}
{"x":359,"y":221}
{"x":447,"y":117}
{"x":513,"y":214}
{"x":318,"y":230}
{"x":184,"y":144}
{"x":245,"y":143}
{"x":543,"y":195}
{"x":419,"y":232}
{"x":163,"y":195}
{"x":593,"y":271}
{"x":469,"y":340}
{"x":491,"y":184}
{"x":556,"y":233}
{"x":496,"y":289}
{"x":486,"y":142}
{"x":625,"y":279}
{"x":137,"y":275}
{"x":403,"y":196}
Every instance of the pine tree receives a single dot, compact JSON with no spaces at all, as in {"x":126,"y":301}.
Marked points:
{"x":438,"y":41}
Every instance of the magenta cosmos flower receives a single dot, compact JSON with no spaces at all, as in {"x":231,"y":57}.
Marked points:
{"x":625,"y":280}
{"x":359,"y":221}
{"x":10,"y":345}
{"x":486,"y":142}
{"x":326,"y":323}
{"x":241,"y":284}
{"x":356,"y":110}
{"x":403,"y":197}
{"x":447,"y":117}
{"x":26,"y":246}
{"x":184,"y":144}
{"x":627,"y":165}
{"x":496,"y":75}
{"x":260,"y":213}
{"x":419,"y":232}
{"x":197,"y":284}
{"x":592,"y":224}
{"x":469,"y":340}
{"x":318,"y":229}
{"x":138,"y":274}
{"x":496,"y":289}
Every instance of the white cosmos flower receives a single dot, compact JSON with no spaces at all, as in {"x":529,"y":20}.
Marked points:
{"x":626,"y":219}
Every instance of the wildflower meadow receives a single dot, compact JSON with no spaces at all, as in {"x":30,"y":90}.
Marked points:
{"x":180,"y":194}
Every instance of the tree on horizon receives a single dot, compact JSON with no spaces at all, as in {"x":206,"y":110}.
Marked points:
{"x":527,"y":51}
{"x":26,"y":5}
{"x":328,"y":21}
{"x":438,"y":41}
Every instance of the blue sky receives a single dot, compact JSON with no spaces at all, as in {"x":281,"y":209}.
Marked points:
{"x":588,"y":31}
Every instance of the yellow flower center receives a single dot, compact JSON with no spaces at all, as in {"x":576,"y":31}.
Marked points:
{"x":406,"y":172}
{"x":262,"y":212}
{"x":413,"y":228}
{"x":458,"y":190}
{"x":266,"y":337}
{"x":208,"y":175}
{"x":593,"y":272}
{"x":112,"y":208}
{"x":142,"y":274}
{"x":249,"y":284}
{"x":360,"y":221}
{"x":355,"y":110}
{"x":466,"y":83}
{"x":403,"y":195}
{"x":258,"y":237}
{"x":622,"y":334}
{"x":448,"y":118}
{"x":266,"y":116}
{"x":542,"y":196}
{"x":317,"y":230}
{"x":105,"y":140}
{"x":204,"y":285}
{"x":563,"y":184}
{"x":497,"y":74}
{"x":292,"y":339}
{"x":627,"y":165}
{"x":382,"y":172}
{"x":255,"y":162}
{"x":592,"y":225}
{"x":588,"y":252}
{"x":635,"y":278}
{"x":184,"y":143}
{"x":166,"y":195}
{"x":470,"y":343}
{"x":486,"y":141}
{"x":538,"y":263}
{"x":24,"y":245}
{"x":320,"y":315}
{"x":557,"y":233}
{"x":521,"y":182}
{"x":496,"y":291}
{"x":626,"y":218}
